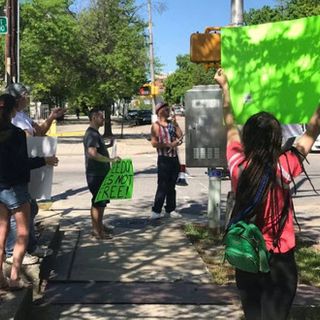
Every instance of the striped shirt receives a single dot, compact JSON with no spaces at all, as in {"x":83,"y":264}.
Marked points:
{"x":167,"y":134}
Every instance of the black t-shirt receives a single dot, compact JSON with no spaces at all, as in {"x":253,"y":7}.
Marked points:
{"x":92,"y":138}
{"x":14,"y":162}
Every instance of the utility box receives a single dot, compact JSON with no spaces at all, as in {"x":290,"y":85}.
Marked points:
{"x":205,"y":132}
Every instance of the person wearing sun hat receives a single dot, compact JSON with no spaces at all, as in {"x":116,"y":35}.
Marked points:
{"x":166,"y":136}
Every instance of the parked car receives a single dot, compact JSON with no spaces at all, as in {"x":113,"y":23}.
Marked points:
{"x":131,"y":114}
{"x":143,"y":117}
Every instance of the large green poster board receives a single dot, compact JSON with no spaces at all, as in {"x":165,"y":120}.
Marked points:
{"x":118,"y":183}
{"x":274,"y":67}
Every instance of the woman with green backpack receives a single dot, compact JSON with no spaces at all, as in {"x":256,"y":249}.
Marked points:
{"x":261,"y":173}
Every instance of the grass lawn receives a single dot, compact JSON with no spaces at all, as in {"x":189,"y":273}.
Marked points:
{"x":211,"y":250}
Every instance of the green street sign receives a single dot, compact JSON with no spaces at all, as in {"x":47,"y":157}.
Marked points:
{"x":3,"y":25}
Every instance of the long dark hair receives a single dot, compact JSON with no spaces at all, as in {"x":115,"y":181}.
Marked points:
{"x":261,"y":138}
{"x":7,"y":104}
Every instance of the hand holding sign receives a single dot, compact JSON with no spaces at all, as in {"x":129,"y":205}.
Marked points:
{"x":118,"y":183}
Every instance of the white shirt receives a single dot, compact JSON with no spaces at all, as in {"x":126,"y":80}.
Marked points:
{"x":24,"y":122}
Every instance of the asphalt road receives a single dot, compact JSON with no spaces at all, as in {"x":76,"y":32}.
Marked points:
{"x":69,"y":180}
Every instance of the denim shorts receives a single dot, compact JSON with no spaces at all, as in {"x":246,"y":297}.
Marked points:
{"x":14,"y":196}
{"x":94,"y":183}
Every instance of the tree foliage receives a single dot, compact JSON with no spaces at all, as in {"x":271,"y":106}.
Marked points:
{"x":88,"y":58}
{"x":284,"y":10}
{"x":186,"y":76}
{"x":116,"y":57}
{"x":49,"y":49}
{"x":115,"y":50}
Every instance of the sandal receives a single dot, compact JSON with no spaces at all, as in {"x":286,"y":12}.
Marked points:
{"x":4,"y":284}
{"x":18,"y":284}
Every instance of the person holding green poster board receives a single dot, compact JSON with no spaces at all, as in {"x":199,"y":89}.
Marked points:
{"x":97,"y":161}
{"x":261,"y":174}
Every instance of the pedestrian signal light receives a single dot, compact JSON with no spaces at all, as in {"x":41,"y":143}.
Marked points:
{"x":206,"y":47}
{"x":145,"y":90}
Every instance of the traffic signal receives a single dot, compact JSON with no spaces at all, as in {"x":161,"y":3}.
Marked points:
{"x":154,"y":90}
{"x":206,"y":47}
{"x":145,"y":90}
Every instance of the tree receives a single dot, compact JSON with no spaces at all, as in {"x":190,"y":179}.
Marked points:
{"x":49,"y":49}
{"x":185,"y":77}
{"x":113,"y":36}
{"x":284,"y":10}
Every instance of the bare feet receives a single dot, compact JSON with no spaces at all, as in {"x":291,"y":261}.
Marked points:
{"x":101,"y":235}
{"x":18,"y":284}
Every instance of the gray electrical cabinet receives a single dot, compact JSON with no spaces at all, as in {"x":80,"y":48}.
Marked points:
{"x":205,"y":132}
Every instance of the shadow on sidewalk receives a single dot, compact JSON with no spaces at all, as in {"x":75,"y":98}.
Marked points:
{"x":68,"y":193}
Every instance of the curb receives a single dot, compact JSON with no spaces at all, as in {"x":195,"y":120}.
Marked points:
{"x":17,"y":305}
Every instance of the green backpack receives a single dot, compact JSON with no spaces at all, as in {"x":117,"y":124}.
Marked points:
{"x":245,"y":248}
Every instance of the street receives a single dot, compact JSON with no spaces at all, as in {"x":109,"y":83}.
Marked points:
{"x":69,"y":179}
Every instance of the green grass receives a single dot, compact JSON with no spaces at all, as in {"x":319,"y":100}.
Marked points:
{"x":308,"y":260}
{"x":211,"y":250}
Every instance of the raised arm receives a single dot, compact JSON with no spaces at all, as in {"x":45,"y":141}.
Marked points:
{"x":232,"y":130}
{"x":305,"y":142}
{"x":42,"y":129}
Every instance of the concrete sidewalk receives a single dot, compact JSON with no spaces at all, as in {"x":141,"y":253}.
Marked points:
{"x":149,"y":270}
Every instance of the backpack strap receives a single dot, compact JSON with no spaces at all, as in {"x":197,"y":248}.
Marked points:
{"x":256,"y":199}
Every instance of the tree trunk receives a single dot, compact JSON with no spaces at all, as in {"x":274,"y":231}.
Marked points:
{"x":107,"y":121}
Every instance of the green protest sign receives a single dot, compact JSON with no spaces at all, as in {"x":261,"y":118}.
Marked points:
{"x":118,"y":183}
{"x":274,"y":67}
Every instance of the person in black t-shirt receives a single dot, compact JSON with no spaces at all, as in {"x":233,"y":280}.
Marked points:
{"x":97,"y":161}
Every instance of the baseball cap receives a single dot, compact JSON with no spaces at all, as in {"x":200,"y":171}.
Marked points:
{"x":17,"y":90}
{"x":160,"y":105}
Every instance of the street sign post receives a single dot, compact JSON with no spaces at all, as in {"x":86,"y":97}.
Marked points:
{"x":3,"y":25}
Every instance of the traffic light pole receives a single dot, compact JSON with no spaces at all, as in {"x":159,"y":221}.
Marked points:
{"x":215,"y":174}
{"x":151,"y":60}
{"x":237,"y":12}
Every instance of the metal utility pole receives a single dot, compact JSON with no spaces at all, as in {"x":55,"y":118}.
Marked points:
{"x":237,"y":12}
{"x":215,"y":174}
{"x":151,"y":61}
{"x":12,"y":47}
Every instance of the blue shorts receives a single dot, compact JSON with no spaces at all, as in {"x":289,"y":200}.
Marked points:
{"x":94,"y":183}
{"x":15,"y":196}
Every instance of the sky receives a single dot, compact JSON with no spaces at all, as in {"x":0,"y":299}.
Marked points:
{"x":173,"y":27}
